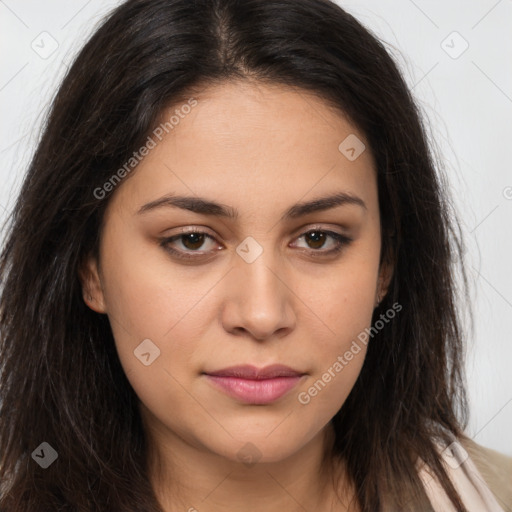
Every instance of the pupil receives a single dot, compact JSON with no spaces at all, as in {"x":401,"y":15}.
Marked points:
{"x":194,"y":238}
{"x":315,"y":235}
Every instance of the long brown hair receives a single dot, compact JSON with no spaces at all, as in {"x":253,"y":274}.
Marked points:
{"x":61,"y":381}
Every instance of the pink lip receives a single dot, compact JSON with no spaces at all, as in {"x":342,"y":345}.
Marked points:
{"x":253,"y":385}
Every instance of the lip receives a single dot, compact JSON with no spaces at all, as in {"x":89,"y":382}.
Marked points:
{"x":254,"y":385}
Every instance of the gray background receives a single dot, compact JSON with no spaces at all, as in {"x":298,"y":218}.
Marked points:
{"x":466,"y":97}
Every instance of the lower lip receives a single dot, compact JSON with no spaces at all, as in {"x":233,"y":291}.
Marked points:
{"x":252,"y":391}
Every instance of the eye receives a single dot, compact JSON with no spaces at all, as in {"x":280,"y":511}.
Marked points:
{"x":193,"y":240}
{"x":316,"y":239}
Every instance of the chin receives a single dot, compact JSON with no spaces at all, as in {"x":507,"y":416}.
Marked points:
{"x":260,"y":448}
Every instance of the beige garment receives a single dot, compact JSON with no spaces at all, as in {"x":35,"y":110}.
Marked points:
{"x":486,"y":488}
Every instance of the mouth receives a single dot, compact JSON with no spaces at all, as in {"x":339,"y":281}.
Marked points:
{"x":255,"y":386}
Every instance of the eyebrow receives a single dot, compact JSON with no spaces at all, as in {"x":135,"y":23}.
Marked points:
{"x":204,"y":206}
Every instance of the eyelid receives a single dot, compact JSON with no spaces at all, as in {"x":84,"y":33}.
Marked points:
{"x":306,"y":228}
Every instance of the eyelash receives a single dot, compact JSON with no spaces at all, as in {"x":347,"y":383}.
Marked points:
{"x":341,"y":240}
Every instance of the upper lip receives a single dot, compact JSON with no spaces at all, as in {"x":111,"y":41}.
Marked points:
{"x":248,"y":371}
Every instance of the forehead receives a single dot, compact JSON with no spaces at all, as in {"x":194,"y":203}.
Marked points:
{"x":260,"y":142}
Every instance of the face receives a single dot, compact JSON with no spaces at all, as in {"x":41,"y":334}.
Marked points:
{"x":266,"y":283}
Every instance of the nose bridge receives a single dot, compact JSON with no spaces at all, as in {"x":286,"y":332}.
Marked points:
{"x":259,"y":277}
{"x":262,"y":298}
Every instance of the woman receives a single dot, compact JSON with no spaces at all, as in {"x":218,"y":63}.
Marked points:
{"x":228,"y":281}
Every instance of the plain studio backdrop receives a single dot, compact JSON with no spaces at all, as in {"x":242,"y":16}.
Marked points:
{"x":457,"y":58}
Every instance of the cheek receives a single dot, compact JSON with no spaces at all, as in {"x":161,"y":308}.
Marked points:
{"x":149,"y":299}
{"x":338,"y":332}
{"x":343,"y":299}
{"x":145,"y":291}
{"x":338,"y":348}
{"x":150,"y":314}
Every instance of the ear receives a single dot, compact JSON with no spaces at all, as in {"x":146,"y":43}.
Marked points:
{"x":92,"y":290}
{"x":384,"y":280}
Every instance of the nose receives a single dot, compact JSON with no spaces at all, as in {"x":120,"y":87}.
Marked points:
{"x":260,"y":301}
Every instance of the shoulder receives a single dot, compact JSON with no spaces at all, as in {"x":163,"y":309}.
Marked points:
{"x":495,"y":468}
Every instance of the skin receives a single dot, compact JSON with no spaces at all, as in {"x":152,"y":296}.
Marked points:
{"x":260,"y":149}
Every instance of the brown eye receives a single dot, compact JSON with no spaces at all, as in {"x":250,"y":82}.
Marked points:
{"x":185,"y":244}
{"x":193,"y":241}
{"x":317,"y":238}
